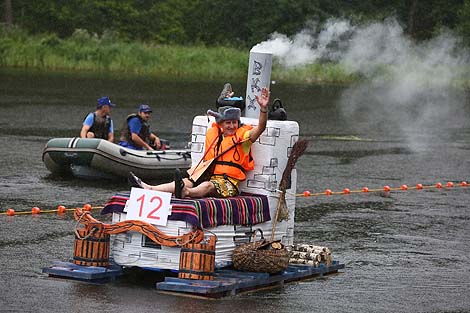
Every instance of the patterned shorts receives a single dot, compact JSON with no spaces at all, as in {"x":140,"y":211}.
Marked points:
{"x":226,"y":186}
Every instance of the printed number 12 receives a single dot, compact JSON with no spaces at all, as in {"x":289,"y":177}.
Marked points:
{"x":152,"y":213}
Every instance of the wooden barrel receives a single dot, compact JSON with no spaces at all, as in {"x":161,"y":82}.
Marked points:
{"x":91,"y":249}
{"x":197,"y":260}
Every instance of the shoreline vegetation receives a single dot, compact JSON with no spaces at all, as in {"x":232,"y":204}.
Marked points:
{"x":84,"y":52}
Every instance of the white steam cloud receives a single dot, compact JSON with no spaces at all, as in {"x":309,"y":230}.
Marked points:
{"x":307,"y":46}
{"x":407,"y":87}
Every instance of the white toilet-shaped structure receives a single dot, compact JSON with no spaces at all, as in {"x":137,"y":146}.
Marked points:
{"x":270,"y":152}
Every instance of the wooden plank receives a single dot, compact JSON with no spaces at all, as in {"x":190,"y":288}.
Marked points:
{"x":240,"y":280}
{"x":189,"y":288}
{"x":177,"y":280}
{"x":87,"y":273}
{"x":292,"y":273}
{"x":231,"y":282}
{"x":226,"y":281}
{"x":239,"y":274}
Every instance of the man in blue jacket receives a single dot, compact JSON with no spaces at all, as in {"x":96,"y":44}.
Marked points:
{"x":136,"y":132}
{"x":99,"y":124}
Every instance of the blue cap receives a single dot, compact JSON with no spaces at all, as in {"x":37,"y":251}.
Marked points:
{"x":145,"y":108}
{"x":104,"y":101}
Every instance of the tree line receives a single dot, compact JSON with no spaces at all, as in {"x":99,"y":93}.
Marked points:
{"x":227,"y":22}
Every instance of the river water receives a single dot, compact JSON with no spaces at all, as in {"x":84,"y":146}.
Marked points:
{"x":404,"y":251}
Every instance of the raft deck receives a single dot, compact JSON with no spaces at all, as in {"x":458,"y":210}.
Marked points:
{"x":227,"y":282}
{"x":92,"y":274}
{"x":232,"y":282}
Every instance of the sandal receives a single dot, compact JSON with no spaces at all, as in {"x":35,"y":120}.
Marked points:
{"x":134,"y":181}
{"x":179,"y":184}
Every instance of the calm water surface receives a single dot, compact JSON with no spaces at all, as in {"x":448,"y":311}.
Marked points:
{"x":404,"y":251}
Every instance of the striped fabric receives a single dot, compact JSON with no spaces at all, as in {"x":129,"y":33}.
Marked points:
{"x":245,"y":209}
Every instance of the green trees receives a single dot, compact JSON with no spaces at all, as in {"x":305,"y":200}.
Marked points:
{"x":7,"y":13}
{"x":226,"y":22}
{"x":463,"y":24}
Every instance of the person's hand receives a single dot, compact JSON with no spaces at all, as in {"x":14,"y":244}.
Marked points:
{"x":263,"y":100}
{"x":157,"y":142}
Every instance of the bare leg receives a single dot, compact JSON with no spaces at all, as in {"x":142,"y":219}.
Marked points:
{"x":205,"y":189}
{"x":167,"y":187}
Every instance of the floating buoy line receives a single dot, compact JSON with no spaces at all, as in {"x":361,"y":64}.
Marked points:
{"x":328,"y":192}
{"x":386,"y":188}
{"x":60,"y":210}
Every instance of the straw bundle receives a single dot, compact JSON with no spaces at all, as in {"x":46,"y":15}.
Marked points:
{"x":281,"y":211}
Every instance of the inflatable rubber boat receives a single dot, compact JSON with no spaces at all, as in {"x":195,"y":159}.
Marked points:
{"x":91,"y":158}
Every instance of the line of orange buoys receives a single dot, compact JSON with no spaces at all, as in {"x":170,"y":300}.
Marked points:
{"x":328,"y":192}
{"x":386,"y":188}
{"x":60,"y":210}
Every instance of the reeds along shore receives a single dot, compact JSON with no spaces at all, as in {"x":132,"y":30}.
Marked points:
{"x":90,"y":53}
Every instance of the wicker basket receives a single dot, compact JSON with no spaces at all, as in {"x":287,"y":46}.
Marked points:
{"x":259,"y":256}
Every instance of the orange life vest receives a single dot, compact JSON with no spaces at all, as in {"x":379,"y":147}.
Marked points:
{"x":235,"y":162}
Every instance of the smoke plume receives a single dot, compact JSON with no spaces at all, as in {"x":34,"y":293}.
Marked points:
{"x":405,"y":86}
{"x":308,"y":46}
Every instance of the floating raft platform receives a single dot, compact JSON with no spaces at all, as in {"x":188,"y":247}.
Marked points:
{"x":93,"y":274}
{"x":232,"y":282}
{"x":227,"y":282}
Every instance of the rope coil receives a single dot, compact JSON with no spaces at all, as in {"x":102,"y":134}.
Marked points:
{"x":149,"y":230}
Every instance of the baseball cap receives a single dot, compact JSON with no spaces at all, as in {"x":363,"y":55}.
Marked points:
{"x":105,"y":101}
{"x":145,"y":108}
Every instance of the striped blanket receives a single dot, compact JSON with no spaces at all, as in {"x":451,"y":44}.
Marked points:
{"x":246,"y":209}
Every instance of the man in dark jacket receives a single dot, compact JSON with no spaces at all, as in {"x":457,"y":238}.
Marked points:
{"x":136,"y":132}
{"x":99,"y":124}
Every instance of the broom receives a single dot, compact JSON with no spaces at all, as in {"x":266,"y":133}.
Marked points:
{"x":281,"y":210}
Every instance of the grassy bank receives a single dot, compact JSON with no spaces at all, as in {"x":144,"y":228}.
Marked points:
{"x":85,"y":52}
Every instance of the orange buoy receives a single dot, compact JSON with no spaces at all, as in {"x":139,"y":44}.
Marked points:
{"x":419,"y":186}
{"x":365,"y":189}
{"x":10,"y":212}
{"x":463,"y":184}
{"x":307,"y":193}
{"x":404,"y":187}
{"x":328,"y":192}
{"x":87,"y":207}
{"x":61,"y":209}
{"x":450,"y":184}
{"x":386,"y":188}
{"x":35,"y":210}
{"x":438,"y":185}
{"x":346,"y":191}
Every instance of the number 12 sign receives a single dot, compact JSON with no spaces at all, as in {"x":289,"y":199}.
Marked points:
{"x":149,"y":206}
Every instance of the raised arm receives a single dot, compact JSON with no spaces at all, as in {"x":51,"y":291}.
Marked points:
{"x":263,"y":101}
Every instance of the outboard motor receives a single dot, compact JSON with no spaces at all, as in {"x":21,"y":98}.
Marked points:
{"x":277,"y":111}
